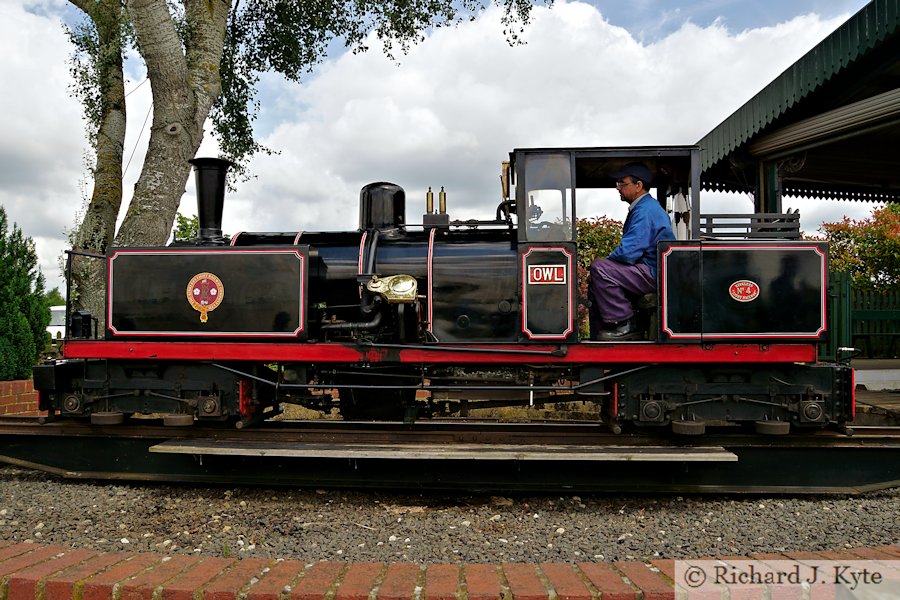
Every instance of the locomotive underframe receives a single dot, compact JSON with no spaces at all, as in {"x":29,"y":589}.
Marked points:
{"x":804,"y":395}
{"x":201,"y":390}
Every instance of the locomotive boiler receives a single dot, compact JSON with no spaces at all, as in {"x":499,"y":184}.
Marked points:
{"x":400,"y":320}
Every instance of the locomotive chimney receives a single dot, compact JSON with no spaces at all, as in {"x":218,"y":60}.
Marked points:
{"x":209,"y":175}
{"x":382,"y":205}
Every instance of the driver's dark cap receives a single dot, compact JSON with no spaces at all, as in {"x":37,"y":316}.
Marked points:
{"x":635,"y":170}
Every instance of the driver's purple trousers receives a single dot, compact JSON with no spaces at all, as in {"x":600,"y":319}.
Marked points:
{"x":613,"y":286}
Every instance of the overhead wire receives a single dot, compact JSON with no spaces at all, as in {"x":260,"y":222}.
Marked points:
{"x":140,"y":133}
{"x":143,"y":126}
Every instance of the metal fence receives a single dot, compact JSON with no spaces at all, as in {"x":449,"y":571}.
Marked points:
{"x":875,"y":323}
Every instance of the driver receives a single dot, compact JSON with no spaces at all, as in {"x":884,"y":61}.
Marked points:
{"x":630,"y":269}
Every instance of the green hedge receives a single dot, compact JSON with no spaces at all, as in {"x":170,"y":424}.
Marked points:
{"x":24,"y":313}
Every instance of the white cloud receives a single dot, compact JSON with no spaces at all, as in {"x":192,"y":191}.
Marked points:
{"x":454,"y":107}
{"x":41,"y":146}
{"x":43,"y":174}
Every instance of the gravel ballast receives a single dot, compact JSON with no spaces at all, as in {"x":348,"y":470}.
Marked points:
{"x":312,"y":524}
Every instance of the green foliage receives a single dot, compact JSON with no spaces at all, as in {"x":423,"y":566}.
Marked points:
{"x":24,"y":312}
{"x":54,"y":298}
{"x":186,"y":228}
{"x":597,"y":237}
{"x":868,"y":249}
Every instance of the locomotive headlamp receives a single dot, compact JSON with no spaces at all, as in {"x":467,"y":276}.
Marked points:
{"x":80,"y":325}
{"x":396,"y":289}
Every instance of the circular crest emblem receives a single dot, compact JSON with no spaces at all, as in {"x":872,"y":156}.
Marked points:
{"x":204,"y":293}
{"x":744,"y":290}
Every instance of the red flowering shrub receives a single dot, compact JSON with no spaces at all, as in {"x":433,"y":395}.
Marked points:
{"x":596,"y":238}
{"x":868,"y":249}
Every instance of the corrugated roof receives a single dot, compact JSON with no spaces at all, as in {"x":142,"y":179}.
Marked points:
{"x":863,"y":32}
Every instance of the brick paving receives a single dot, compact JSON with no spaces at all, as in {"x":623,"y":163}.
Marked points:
{"x":49,"y":572}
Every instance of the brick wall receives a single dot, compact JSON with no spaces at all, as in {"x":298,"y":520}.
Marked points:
{"x":18,"y":398}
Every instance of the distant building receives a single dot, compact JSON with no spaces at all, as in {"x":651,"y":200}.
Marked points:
{"x":57,"y":326}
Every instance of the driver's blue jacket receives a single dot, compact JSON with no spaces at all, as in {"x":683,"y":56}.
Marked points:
{"x":646,"y":225}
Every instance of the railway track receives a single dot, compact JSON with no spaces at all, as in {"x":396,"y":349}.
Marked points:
{"x":477,"y":456}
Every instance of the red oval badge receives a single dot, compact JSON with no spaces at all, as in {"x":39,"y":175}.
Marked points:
{"x":744,"y":290}
{"x":205,"y":292}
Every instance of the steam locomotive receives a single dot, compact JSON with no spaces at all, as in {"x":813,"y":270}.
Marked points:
{"x":400,"y":321}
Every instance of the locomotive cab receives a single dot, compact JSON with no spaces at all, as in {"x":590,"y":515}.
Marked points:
{"x":551,"y":189}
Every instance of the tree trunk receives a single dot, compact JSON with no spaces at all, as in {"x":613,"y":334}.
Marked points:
{"x":185,"y":85}
{"x":97,"y":229}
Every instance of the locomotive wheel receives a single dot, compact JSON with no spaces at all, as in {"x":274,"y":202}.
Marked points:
{"x":688,"y":427}
{"x":178,"y":420}
{"x":772,"y":427}
{"x":107,"y":418}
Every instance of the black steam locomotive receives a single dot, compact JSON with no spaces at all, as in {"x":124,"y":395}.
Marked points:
{"x":399,"y":321}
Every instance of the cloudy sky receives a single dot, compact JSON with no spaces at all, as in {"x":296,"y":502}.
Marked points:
{"x":604,"y":73}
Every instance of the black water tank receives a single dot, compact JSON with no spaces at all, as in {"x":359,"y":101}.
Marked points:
{"x":382,"y":205}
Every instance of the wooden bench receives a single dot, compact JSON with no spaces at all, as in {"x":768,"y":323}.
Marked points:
{"x":876,"y":316}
